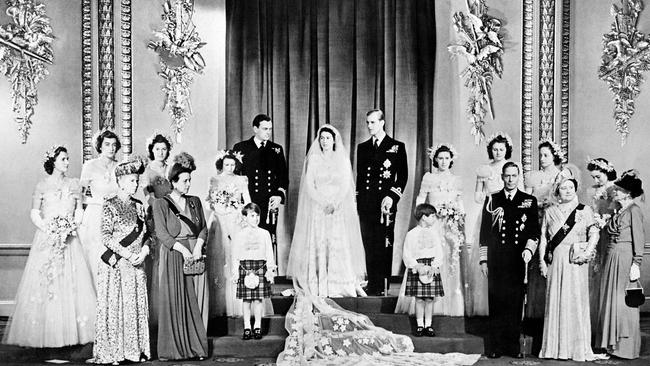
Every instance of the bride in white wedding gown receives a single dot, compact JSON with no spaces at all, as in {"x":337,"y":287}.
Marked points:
{"x":327,"y":260}
{"x":326,"y":244}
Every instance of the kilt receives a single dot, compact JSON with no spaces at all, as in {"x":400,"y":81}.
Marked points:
{"x":418,"y":289}
{"x":262,"y":290}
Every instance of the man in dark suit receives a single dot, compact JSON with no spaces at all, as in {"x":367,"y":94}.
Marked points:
{"x":266,"y":169}
{"x":382,"y":172}
{"x":508,"y":237}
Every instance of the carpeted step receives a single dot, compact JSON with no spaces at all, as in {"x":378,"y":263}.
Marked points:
{"x":14,"y":354}
{"x":269,"y":346}
{"x":445,"y":343}
{"x":365,"y":305}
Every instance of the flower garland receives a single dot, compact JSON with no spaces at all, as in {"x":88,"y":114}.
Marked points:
{"x":178,"y":45}
{"x":626,"y":55}
{"x":481,"y":46}
{"x":25,"y":49}
{"x":453,"y":216}
{"x":59,"y":228}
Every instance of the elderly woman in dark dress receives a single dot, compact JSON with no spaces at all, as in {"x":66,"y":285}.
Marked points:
{"x":619,"y":329}
{"x":183,"y":299}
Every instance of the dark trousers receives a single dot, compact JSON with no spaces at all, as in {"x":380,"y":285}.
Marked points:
{"x":379,"y":255}
{"x":505,"y":298}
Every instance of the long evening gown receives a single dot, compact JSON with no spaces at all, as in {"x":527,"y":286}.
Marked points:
{"x":225,"y":222}
{"x":55,"y":302}
{"x":567,"y":323}
{"x":122,"y":309}
{"x":441,"y":190}
{"x":102,"y":184}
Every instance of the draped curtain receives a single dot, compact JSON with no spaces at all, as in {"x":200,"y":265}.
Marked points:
{"x":310,"y":62}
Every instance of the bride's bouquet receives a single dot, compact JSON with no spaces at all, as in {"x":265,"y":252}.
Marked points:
{"x":226,"y":199}
{"x":453,"y":215}
{"x":59,"y":228}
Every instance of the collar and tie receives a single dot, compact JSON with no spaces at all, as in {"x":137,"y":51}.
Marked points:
{"x":262,"y":144}
{"x":375,"y":143}
{"x":510,"y":195}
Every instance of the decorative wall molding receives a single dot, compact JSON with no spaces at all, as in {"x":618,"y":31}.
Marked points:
{"x":527,"y":87}
{"x":87,"y":79}
{"x":564,"y":77}
{"x":126,"y":79}
{"x":546,"y":69}
{"x":106,"y":65}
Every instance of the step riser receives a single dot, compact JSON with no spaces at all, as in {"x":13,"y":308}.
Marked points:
{"x":365,"y":305}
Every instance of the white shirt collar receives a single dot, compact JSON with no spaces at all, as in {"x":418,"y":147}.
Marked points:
{"x":379,"y":137}
{"x":511,"y":193}
{"x":258,"y":142}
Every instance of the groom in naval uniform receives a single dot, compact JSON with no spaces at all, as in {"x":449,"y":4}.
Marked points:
{"x":382,"y":172}
{"x":266,"y":169}
{"x":508,"y":238}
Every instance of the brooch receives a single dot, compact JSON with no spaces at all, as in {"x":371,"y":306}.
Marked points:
{"x":277,"y":150}
{"x":387,"y":164}
{"x":393,"y":149}
{"x":385,"y":174}
{"x":524,"y":218}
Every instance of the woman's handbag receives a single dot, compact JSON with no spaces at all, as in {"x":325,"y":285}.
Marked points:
{"x":578,"y":250}
{"x":193,"y":266}
{"x":634,"y":296}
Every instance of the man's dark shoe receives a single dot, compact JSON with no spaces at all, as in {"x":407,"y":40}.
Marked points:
{"x":429,"y":332}
{"x":257,"y":333}
{"x":494,"y":355}
{"x":418,"y":331}
{"x":247,"y":334}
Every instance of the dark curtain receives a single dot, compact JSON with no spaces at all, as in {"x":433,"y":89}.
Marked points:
{"x":310,"y":62}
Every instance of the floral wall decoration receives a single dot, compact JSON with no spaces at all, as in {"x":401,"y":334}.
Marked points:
{"x":480,"y":44}
{"x":25,"y":51}
{"x":177,"y":45}
{"x":626,"y":55}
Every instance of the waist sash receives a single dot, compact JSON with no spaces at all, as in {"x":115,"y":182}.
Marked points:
{"x":561,"y":234}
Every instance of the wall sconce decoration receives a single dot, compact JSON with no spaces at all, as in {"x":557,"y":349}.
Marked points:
{"x":626,"y":54}
{"x":481,"y":46}
{"x":25,"y":52}
{"x":177,"y":45}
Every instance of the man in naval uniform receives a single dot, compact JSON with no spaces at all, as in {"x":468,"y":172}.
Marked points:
{"x":382,"y":172}
{"x":266,"y":169}
{"x":508,"y":238}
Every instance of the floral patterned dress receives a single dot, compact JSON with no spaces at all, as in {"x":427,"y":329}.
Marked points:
{"x":55,"y":302}
{"x":443,"y":191}
{"x":227,"y":196}
{"x":122,"y":310}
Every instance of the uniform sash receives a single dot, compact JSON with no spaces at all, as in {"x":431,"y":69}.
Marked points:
{"x":110,"y":257}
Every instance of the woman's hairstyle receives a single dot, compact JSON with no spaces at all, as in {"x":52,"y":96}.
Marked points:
{"x":603,"y":166}
{"x":500,"y":138}
{"x":235,"y":156}
{"x":50,"y":157}
{"x":556,"y":151}
{"x":424,"y":209}
{"x":434,"y":151}
{"x":183,"y":163}
{"x":331,"y":132}
{"x":107,"y":134}
{"x":572,"y":180}
{"x":157,"y":139}
{"x":251,"y":207}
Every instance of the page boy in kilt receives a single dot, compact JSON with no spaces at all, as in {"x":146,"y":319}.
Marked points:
{"x":422,"y":256}
{"x":256,"y":269}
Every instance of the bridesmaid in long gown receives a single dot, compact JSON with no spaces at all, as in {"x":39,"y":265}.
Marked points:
{"x":488,"y":181}
{"x":567,"y":323}
{"x":183,"y":299}
{"x":122,"y":311}
{"x":442,"y":189}
{"x":55,"y":302}
{"x":619,"y":327}
{"x":601,"y":197}
{"x":541,"y":184}
{"x":154,"y":184}
{"x":228,"y":193}
{"x":98,"y":182}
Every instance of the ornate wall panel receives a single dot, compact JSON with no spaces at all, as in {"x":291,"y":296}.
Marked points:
{"x":126,"y":79}
{"x":546,"y":68}
{"x":564,"y":77}
{"x":106,"y":65}
{"x":87,"y":79}
{"x":527,"y":87}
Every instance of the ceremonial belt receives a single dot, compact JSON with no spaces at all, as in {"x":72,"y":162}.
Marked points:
{"x":110,"y":257}
{"x":561,"y":234}
{"x":183,"y":218}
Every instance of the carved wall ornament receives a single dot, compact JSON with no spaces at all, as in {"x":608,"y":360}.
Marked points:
{"x":626,"y":55}
{"x":87,"y":79}
{"x":177,"y":45}
{"x":25,"y":51}
{"x":106,"y":65}
{"x":480,"y":44}
{"x":527,"y":87}
{"x":127,"y":76}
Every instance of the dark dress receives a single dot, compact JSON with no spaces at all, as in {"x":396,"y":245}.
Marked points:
{"x":182,"y":299}
{"x":381,"y":172}
{"x":506,"y":226}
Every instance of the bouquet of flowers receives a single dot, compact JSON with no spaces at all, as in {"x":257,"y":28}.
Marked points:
{"x":59,"y":228}
{"x":601,"y":220}
{"x":453,"y":215}
{"x":226,"y":199}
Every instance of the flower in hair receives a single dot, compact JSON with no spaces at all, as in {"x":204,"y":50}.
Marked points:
{"x":431,"y":152}
{"x":51,"y":152}
{"x":608,"y":167}
{"x":223,"y":153}
{"x":158,"y":133}
{"x":501,"y":134}
{"x":557,"y":150}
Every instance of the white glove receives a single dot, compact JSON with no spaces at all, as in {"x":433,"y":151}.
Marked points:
{"x":35,"y":215}
{"x":635,"y":272}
